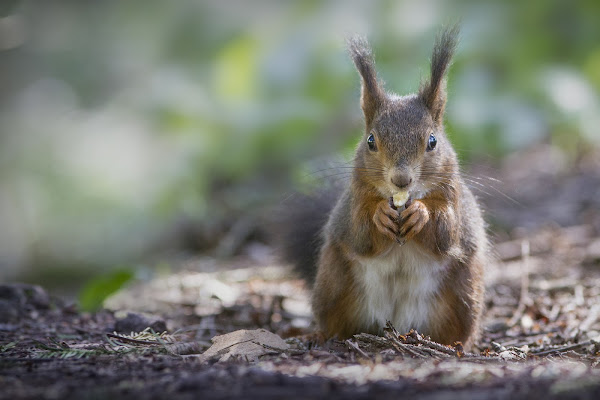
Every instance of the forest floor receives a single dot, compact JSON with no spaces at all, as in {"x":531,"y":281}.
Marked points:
{"x":541,"y":335}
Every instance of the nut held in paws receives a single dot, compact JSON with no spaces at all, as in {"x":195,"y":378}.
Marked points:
{"x":400,"y":198}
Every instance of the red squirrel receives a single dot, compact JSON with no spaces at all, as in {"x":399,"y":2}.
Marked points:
{"x":420,"y":265}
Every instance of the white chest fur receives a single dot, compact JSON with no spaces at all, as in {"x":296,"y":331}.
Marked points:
{"x":399,"y":286}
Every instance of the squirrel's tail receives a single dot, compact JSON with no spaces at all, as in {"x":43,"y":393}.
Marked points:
{"x":298,"y":229}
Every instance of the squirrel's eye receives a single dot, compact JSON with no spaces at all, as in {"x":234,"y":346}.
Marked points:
{"x":431,"y":143}
{"x":371,"y":142}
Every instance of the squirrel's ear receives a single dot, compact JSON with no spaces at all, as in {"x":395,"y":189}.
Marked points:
{"x":372,"y":95}
{"x":433,"y":92}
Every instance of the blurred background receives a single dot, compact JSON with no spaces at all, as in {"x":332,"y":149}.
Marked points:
{"x":135,"y":132}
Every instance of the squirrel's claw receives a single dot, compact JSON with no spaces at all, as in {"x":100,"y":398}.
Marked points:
{"x":413,"y":219}
{"x":386,"y":220}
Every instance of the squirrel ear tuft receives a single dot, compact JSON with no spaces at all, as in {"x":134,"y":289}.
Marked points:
{"x":372,"y":95}
{"x":433,"y":92}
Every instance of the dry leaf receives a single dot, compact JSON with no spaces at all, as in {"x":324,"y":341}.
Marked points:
{"x":245,"y":344}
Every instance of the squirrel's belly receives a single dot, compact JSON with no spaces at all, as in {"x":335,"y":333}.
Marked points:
{"x":401,"y":286}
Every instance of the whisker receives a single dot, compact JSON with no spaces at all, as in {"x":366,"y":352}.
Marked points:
{"x":446,"y":181}
{"x":488,"y":190}
{"x":483,"y":184}
{"x":501,"y":193}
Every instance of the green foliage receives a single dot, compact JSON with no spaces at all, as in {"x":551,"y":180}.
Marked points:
{"x":7,"y":346}
{"x":99,"y":288}
{"x":119,"y":121}
{"x":236,"y":69}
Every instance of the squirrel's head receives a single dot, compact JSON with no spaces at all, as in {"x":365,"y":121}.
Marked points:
{"x":404,"y":146}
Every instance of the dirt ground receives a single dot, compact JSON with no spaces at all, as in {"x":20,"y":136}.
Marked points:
{"x":541,"y":336}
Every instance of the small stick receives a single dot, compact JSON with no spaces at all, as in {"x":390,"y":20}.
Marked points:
{"x":131,"y":340}
{"x":565,"y":348}
{"x":377,"y":340}
{"x":433,"y":353}
{"x":524,"y":298}
{"x":401,"y":347}
{"x":355,"y":347}
{"x":438,"y":347}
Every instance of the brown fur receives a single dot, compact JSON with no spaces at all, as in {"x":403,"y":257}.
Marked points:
{"x":443,"y":218}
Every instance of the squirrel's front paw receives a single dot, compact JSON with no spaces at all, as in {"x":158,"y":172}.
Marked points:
{"x":386,"y":220}
{"x":413,"y":219}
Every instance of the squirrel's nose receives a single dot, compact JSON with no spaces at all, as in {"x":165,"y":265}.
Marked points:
{"x":401,"y":180}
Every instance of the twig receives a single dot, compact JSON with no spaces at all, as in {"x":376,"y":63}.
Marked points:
{"x":372,"y":339}
{"x":524,"y":298}
{"x":441,"y":348}
{"x":565,"y":348}
{"x":432,"y":352}
{"x":355,"y":347}
{"x":131,"y":340}
{"x":401,"y":347}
